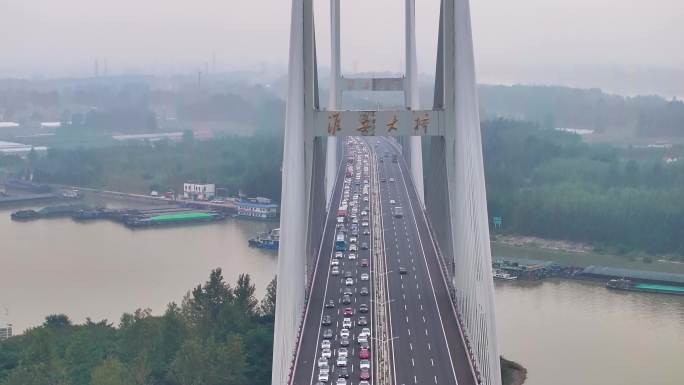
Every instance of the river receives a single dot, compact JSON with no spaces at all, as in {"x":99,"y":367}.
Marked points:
{"x":564,"y":332}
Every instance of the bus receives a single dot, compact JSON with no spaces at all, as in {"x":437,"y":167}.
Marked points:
{"x":340,"y":244}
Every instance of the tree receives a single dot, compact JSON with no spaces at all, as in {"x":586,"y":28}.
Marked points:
{"x":57,"y":321}
{"x":244,"y":295}
{"x":110,"y":372}
{"x":268,"y":304}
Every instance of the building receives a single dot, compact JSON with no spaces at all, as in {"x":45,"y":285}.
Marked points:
{"x":5,"y":332}
{"x":259,"y":208}
{"x":197,"y":191}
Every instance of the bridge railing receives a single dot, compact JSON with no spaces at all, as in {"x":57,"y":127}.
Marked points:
{"x":452,"y":296}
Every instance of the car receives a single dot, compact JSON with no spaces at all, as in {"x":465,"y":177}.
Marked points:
{"x":344,"y":333}
{"x":355,"y":220}
{"x":326,"y":321}
{"x":344,"y":342}
{"x":340,"y":219}
{"x":402,"y":270}
{"x":326,"y":344}
{"x":348,"y":291}
{"x":341,"y":381}
{"x":323,"y":377}
{"x":364,"y":364}
{"x":362,"y":321}
{"x":341,"y":361}
{"x":364,"y":353}
{"x":366,"y":232}
{"x":322,"y":361}
{"x":364,"y":246}
{"x":365,"y":331}
{"x":364,"y":224}
{"x":391,"y":179}
{"x":335,"y":262}
{"x":365,"y":199}
{"x":330,"y":304}
{"x":353,"y":247}
{"x":346,"y":299}
{"x":347,"y":323}
{"x":364,"y":344}
{"x":363,"y":291}
{"x":352,"y":256}
{"x":362,"y":338}
{"x":339,"y":255}
{"x":335,"y":270}
{"x":328,"y":334}
{"x":363,"y":308}
{"x":348,"y":311}
{"x":364,"y":382}
{"x":348,"y":274}
{"x":364,"y":276}
{"x":355,"y":232}
{"x":383,"y":180}
{"x":342,"y":352}
{"x":349,"y":281}
{"x":342,"y":374}
{"x":392,"y":201}
{"x":364,"y":263}
{"x":327,"y":353}
{"x":365,"y":375}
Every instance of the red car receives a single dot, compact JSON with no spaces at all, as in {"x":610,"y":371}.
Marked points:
{"x":365,"y":375}
{"x":364,"y":263}
{"x":348,"y":311}
{"x":364,"y":354}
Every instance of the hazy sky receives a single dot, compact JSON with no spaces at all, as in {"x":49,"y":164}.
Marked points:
{"x":515,"y":40}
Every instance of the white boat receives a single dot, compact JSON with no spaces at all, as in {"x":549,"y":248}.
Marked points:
{"x":502,"y":275}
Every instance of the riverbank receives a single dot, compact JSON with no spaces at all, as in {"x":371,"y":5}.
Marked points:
{"x":574,"y":254}
{"x":512,"y":373}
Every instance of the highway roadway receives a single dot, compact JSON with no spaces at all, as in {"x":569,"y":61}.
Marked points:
{"x":425,"y":341}
{"x":329,"y":287}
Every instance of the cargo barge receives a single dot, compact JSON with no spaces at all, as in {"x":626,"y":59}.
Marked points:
{"x":629,"y":285}
{"x":47,"y":212}
{"x":173,"y":219}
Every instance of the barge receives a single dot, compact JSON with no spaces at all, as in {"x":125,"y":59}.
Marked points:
{"x":173,"y":219}
{"x":629,"y":285}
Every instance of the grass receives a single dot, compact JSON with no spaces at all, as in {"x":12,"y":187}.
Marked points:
{"x":584,"y":259}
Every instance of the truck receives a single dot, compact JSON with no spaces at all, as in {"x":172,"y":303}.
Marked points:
{"x":398,"y":212}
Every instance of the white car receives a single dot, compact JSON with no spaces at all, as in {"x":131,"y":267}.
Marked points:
{"x":349,"y":282}
{"x":323,"y":376}
{"x":364,"y":224}
{"x":392,"y":201}
{"x":352,"y":256}
{"x":347,"y":323}
{"x":342,"y":352}
{"x":364,"y":364}
{"x":391,"y":179}
{"x":325,"y":344}
{"x":364,"y":277}
{"x":341,"y":361}
{"x":362,"y":339}
{"x":341,"y":381}
{"x":352,"y":239}
{"x":340,"y":219}
{"x":353,"y":247}
{"x":327,"y":353}
{"x":344,"y":333}
{"x":335,"y":262}
{"x":322,"y":361}
{"x":335,"y":270}
{"x":339,"y":255}
{"x":355,"y":220}
{"x":365,"y":331}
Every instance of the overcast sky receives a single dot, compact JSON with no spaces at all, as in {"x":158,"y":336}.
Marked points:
{"x":530,"y":41}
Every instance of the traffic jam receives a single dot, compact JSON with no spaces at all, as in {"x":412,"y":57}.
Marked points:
{"x":345,"y":333}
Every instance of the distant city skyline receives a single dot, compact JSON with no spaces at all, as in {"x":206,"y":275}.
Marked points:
{"x":624,"y":46}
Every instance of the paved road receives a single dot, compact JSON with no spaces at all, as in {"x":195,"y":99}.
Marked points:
{"x":426,"y":346}
{"x":329,"y":287}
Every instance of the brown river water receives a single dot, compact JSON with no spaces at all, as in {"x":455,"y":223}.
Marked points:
{"x":564,"y":332}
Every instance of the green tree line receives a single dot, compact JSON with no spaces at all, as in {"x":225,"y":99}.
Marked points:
{"x":219,"y":335}
{"x":551,"y":184}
